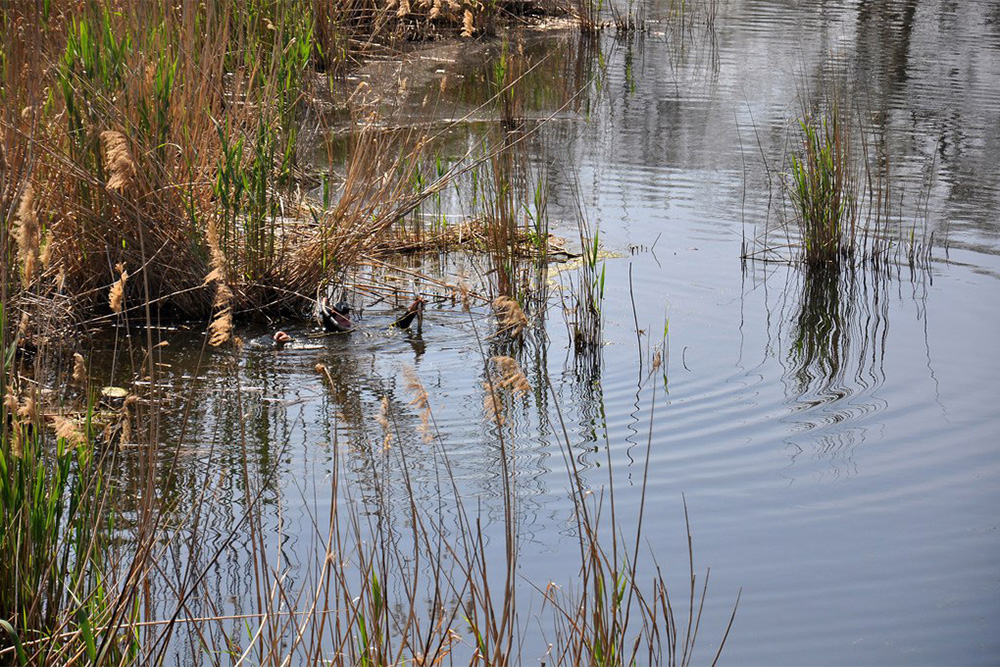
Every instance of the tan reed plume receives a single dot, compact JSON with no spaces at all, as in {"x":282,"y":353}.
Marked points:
{"x":27,"y":234}
{"x":117,"y":294}
{"x":117,"y":160}
{"x":420,"y":401}
{"x":79,"y":371}
{"x":510,"y":316}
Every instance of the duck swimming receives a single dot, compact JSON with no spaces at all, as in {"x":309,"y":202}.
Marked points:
{"x":336,"y":318}
{"x":415,"y":310}
{"x":280,"y":338}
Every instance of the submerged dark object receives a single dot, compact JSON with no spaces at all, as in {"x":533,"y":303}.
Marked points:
{"x":415,"y":310}
{"x":336,"y":318}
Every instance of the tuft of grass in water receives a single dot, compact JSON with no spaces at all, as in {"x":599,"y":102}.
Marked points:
{"x":825,"y":190}
{"x":840,"y":187}
{"x":588,"y":295}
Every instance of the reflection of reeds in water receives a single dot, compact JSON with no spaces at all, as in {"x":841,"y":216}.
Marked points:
{"x":834,"y":363}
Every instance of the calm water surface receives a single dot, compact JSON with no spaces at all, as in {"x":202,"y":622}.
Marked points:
{"x":837,"y":442}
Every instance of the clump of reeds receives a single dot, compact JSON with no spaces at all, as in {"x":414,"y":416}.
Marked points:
{"x":824,"y":189}
{"x":588,"y":295}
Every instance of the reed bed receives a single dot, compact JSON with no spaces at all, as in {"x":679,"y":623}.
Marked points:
{"x":164,"y":140}
{"x":386,"y":580}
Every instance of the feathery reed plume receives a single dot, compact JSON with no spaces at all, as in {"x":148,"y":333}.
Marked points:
{"x":221,"y":328}
{"x":28,"y":410}
{"x":27,"y":234}
{"x":45,"y":255}
{"x":10,"y":401}
{"x":117,"y":160}
{"x":118,"y":290}
{"x":509,"y":315}
{"x":126,"y":418}
{"x":383,"y":420}
{"x":467,"y":27}
{"x":462,"y":292}
{"x":420,"y":401}
{"x":435,"y":10}
{"x":68,"y":430}
{"x":14,"y":408}
{"x":404,"y":9}
{"x":79,"y":371}
{"x":492,"y":406}
{"x":509,"y":375}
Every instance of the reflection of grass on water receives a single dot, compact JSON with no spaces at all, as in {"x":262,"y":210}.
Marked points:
{"x":382,"y":579}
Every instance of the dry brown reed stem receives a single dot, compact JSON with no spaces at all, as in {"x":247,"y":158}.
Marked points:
{"x":27,"y":235}
{"x":117,"y":160}
{"x":510,"y":317}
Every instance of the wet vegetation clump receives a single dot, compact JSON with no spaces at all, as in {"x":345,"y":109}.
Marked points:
{"x":844,"y":212}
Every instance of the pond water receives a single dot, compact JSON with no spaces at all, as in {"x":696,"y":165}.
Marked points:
{"x":836,"y":440}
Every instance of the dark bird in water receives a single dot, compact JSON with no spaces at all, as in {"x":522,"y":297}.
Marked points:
{"x":415,"y":309}
{"x":280,"y":338}
{"x":336,"y":318}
